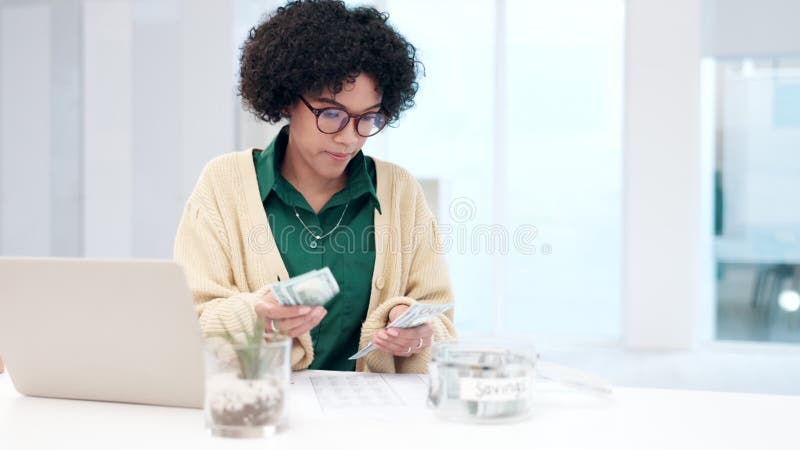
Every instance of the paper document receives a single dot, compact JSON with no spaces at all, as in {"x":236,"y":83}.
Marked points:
{"x":368,"y":390}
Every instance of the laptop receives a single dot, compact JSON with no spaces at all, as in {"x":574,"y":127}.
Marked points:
{"x":109,"y":330}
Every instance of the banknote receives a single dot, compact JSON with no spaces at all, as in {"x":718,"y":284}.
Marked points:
{"x":414,"y":316}
{"x":314,"y":288}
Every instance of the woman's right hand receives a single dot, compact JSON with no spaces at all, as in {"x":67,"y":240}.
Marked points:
{"x":291,"y":321}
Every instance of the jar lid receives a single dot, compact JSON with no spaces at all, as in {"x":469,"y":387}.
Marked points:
{"x":484,"y":353}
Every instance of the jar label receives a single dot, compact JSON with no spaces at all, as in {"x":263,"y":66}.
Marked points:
{"x":495,"y":389}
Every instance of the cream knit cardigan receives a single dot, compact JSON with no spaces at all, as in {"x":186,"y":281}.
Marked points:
{"x":226,"y":247}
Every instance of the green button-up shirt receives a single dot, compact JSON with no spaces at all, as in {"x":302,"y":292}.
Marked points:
{"x":349,"y":251}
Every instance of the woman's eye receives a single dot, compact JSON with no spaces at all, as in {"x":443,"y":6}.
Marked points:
{"x":377,"y":119}
{"x":331,"y":113}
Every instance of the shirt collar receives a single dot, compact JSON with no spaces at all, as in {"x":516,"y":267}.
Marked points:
{"x":268,"y":163}
{"x":268,"y":171}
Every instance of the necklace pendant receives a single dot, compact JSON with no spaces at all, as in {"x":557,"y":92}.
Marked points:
{"x":313,"y":244}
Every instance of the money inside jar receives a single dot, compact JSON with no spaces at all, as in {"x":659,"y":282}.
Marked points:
{"x":482,"y":382}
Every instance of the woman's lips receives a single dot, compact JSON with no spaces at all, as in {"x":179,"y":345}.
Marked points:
{"x":339,"y":156}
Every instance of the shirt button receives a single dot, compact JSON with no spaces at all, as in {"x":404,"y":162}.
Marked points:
{"x":379,"y":283}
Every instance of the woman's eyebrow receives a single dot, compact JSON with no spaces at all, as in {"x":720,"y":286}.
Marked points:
{"x":335,"y":103}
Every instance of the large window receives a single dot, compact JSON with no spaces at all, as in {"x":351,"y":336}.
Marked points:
{"x":757,"y":190}
{"x":534,"y":244}
{"x":565,"y":65}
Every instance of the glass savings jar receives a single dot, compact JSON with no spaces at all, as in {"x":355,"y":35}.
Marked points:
{"x":482,"y":381}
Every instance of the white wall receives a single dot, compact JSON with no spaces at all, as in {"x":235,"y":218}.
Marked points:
{"x":25,"y":130}
{"x":110,"y":109}
{"x":107,"y":68}
{"x":66,"y":224}
{"x":735,"y":28}
{"x":666,"y":235}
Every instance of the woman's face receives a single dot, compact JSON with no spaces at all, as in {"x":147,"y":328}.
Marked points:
{"x":327,"y":155}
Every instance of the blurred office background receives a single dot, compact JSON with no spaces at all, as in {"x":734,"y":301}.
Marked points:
{"x":615,"y":180}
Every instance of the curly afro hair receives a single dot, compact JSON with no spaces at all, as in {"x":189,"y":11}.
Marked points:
{"x":308,"y":46}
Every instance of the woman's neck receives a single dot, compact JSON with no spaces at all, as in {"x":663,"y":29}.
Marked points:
{"x":317,"y":190}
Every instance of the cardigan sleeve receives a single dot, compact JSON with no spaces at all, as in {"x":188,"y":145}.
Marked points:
{"x":202,"y":248}
{"x":428,"y":282}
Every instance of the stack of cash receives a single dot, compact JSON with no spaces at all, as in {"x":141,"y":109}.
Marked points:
{"x":414,"y":316}
{"x":313,"y":288}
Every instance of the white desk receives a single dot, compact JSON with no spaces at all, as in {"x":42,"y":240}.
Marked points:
{"x":641,"y":419}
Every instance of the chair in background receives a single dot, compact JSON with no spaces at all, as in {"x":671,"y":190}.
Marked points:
{"x":768,"y":286}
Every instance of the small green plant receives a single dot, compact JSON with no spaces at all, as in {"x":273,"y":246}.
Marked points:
{"x":253,"y":361}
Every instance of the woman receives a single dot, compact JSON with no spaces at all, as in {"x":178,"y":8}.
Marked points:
{"x":312,"y":199}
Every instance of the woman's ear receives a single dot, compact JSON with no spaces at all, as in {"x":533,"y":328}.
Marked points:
{"x":287,"y":111}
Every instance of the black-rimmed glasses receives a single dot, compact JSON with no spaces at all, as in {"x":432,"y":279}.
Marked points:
{"x":333,"y":120}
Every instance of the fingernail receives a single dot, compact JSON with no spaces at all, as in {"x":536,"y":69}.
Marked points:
{"x":304,"y":310}
{"x":392,"y":332}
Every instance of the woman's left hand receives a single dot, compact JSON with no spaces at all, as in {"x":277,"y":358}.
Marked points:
{"x":402,"y":342}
